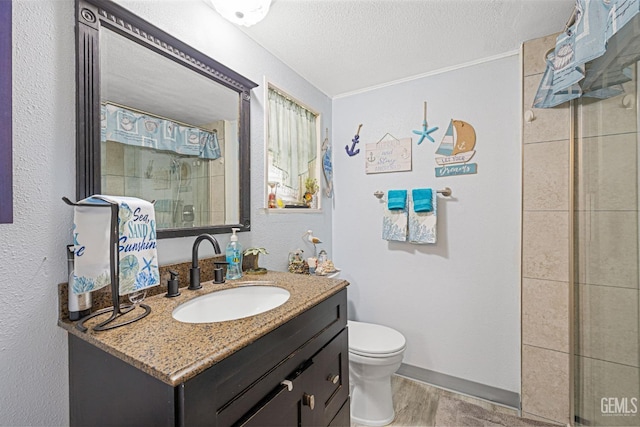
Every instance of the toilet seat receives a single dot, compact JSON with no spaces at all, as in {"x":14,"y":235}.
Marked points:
{"x":375,"y":341}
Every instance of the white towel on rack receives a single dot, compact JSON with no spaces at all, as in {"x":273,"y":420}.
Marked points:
{"x":137,"y":252}
{"x":394,"y":224}
{"x":423,"y":225}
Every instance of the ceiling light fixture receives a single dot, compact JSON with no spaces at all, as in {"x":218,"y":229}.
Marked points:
{"x":242,"y":12}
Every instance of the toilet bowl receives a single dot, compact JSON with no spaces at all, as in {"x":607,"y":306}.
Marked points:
{"x":375,"y":353}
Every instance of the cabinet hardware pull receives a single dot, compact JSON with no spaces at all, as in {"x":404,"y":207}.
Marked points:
{"x":309,"y":400}
{"x":288,"y":383}
{"x":333,"y":378}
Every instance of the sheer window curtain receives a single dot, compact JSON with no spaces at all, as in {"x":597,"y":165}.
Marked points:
{"x":292,"y":138}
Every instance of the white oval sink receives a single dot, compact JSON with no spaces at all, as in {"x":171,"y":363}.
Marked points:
{"x":231,"y":304}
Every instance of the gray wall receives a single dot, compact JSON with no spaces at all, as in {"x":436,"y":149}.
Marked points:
{"x":457,"y":302}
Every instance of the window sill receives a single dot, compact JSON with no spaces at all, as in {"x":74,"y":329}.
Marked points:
{"x":277,"y":211}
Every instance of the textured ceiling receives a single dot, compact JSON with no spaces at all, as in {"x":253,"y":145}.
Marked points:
{"x":343,"y":46}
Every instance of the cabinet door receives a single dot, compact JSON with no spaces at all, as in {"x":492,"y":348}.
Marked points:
{"x":331,"y":387}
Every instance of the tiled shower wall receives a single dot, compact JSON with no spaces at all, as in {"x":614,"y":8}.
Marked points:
{"x":606,"y":253}
{"x":545,"y":248}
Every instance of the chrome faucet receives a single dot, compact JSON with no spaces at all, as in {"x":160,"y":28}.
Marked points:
{"x":194,"y":272}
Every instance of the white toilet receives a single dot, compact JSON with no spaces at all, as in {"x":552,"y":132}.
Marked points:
{"x":375,"y":353}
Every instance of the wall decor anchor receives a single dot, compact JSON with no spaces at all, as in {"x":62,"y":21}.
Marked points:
{"x":352,"y":151}
{"x":424,"y":133}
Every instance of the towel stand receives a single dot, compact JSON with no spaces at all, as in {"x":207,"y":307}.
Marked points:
{"x":117,"y":310}
{"x":446,"y":192}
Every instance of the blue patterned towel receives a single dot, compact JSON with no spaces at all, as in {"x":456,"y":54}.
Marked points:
{"x":394,"y":225}
{"x":136,"y":244}
{"x":423,"y":225}
{"x":422,"y":199}
{"x":396,"y":199}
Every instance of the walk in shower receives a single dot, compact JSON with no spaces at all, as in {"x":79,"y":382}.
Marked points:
{"x":605,"y":333}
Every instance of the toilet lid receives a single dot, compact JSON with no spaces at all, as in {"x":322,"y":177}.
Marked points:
{"x":370,"y":339}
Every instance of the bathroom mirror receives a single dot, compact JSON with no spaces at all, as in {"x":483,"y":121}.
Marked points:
{"x":161,"y":121}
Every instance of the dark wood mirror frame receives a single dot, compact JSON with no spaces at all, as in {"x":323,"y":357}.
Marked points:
{"x":91,"y":15}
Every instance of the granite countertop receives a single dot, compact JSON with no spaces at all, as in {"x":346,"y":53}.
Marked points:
{"x":175,"y":352}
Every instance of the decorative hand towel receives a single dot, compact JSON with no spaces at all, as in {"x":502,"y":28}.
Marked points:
{"x":136,"y":244}
{"x":397,"y":199}
{"x":422,"y":199}
{"x":394,"y":225}
{"x":422,"y":225}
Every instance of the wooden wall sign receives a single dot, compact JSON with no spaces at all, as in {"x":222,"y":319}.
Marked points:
{"x":456,"y":150}
{"x":388,"y":155}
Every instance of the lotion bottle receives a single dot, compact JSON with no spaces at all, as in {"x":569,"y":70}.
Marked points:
{"x":234,"y":257}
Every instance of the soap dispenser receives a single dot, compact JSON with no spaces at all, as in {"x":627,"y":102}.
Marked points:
{"x":234,"y":257}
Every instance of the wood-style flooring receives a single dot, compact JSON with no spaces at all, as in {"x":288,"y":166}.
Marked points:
{"x":421,"y":405}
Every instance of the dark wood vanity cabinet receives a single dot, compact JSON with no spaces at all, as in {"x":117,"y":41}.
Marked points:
{"x":296,"y":375}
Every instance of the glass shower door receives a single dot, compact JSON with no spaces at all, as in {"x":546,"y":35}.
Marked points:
{"x":606,"y":257}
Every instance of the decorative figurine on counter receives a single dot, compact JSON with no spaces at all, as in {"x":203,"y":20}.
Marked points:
{"x":250,"y":261}
{"x":324,"y":264}
{"x":297,"y":263}
{"x":322,"y":256}
{"x":325,"y":268}
{"x":309,"y":237}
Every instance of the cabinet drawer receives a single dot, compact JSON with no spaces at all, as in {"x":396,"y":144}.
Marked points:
{"x":288,"y":405}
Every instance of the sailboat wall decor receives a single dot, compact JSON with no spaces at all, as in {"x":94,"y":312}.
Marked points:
{"x":456,"y":149}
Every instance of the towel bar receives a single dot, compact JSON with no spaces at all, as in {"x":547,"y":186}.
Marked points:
{"x":445,"y":192}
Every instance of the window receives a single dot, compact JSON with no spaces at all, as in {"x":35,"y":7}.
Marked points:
{"x":292,"y":152}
